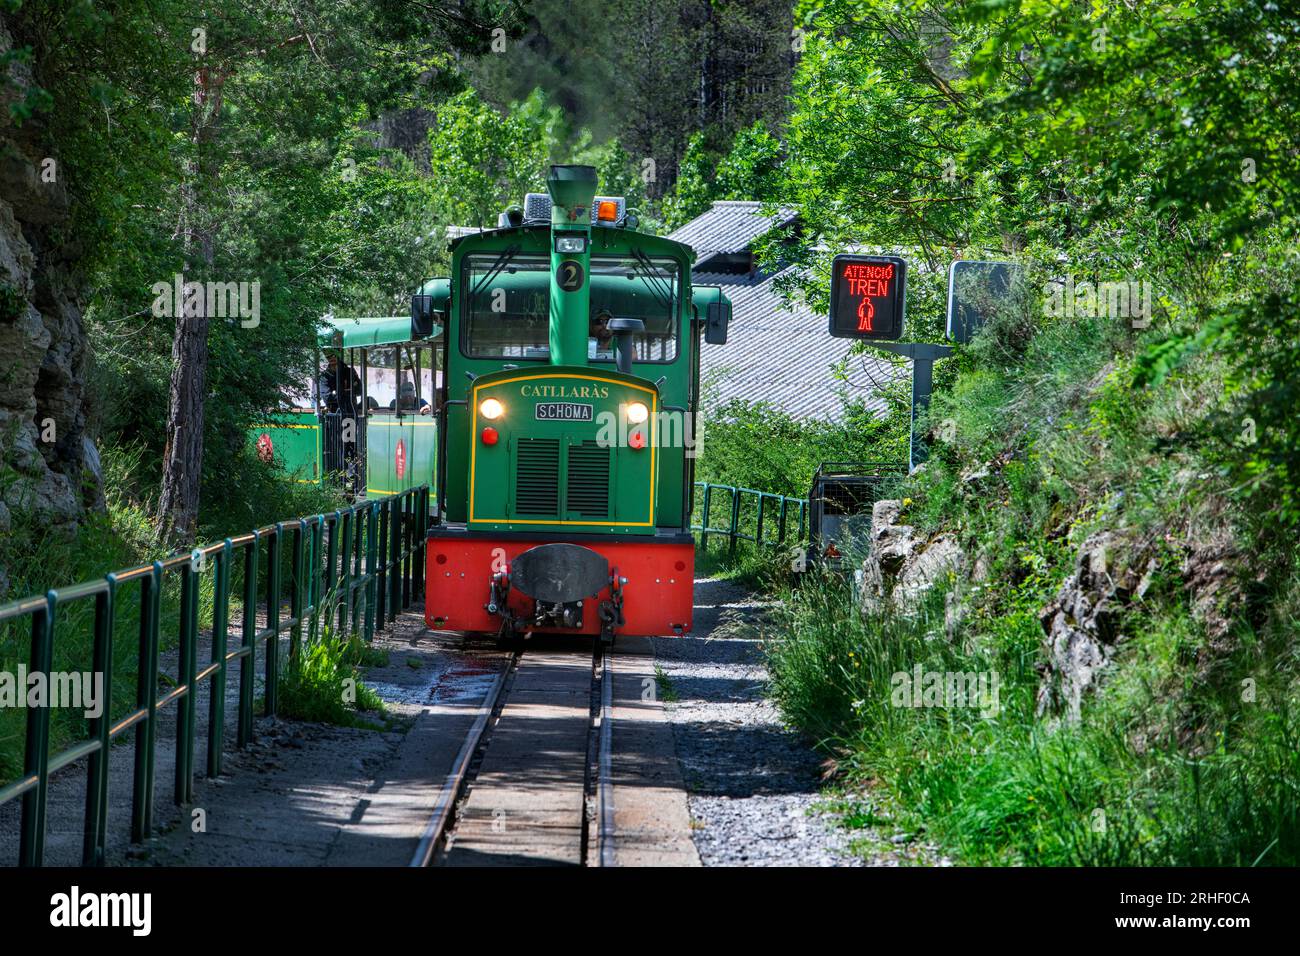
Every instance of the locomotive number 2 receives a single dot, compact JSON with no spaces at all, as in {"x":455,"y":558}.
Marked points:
{"x":569,"y":275}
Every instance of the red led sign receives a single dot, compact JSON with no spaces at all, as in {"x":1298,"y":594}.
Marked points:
{"x":867,"y":297}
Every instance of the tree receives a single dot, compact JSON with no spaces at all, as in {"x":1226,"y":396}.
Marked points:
{"x":482,"y":161}
{"x":750,"y":170}
{"x":264,"y":73}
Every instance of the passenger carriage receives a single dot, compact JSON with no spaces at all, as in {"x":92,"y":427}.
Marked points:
{"x":392,"y":439}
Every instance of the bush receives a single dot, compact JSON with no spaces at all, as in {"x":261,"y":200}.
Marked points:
{"x":322,"y":681}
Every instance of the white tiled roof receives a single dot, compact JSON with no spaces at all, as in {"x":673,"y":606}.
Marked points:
{"x":785,"y":355}
{"x":729,"y":226}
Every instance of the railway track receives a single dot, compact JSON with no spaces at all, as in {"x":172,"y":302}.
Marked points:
{"x":531,"y":783}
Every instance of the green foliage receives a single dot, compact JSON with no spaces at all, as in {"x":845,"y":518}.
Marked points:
{"x":485,"y":160}
{"x":750,"y":169}
{"x":321,"y":680}
{"x":1091,"y":142}
{"x":1111,"y":141}
{"x":247,"y":153}
{"x":320,"y":683}
{"x":754,"y":445}
{"x":1003,"y":788}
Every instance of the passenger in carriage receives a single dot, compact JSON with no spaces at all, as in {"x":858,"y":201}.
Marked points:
{"x":339,"y":388}
{"x":407,"y":401}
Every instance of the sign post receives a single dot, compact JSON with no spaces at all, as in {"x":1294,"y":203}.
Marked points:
{"x":868,"y":302}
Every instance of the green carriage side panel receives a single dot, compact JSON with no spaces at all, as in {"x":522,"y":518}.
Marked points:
{"x":410,"y":439}
{"x":293,"y":441}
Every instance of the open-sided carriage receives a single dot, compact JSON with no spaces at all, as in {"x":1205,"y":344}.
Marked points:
{"x":377,"y":438}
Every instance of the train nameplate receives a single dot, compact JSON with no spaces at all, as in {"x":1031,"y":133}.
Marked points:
{"x":563,"y":412}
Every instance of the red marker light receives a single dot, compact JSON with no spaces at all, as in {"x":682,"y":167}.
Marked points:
{"x":636,"y":440}
{"x":490,"y":436}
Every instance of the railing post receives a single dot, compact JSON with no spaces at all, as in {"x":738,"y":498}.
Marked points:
{"x":146,"y":699}
{"x":247,"y":663}
{"x":394,"y":557}
{"x":758,"y":535}
{"x":780,"y":521}
{"x":185,"y":705}
{"x":345,"y":571}
{"x":381,"y":547}
{"x":408,"y":532}
{"x":272,"y":680}
{"x":314,"y":572}
{"x":92,"y":851}
{"x":735,"y":519}
{"x":220,"y":637}
{"x":421,"y":537}
{"x":358,"y":570}
{"x":331,"y":554}
{"x":704,"y":522}
{"x":372,"y":574}
{"x":36,"y":754}
{"x":296,"y":565}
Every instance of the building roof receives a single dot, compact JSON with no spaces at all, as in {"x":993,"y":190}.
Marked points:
{"x":782,"y":353}
{"x":728,"y":227}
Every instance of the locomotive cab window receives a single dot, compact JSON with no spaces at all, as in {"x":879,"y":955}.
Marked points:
{"x":634,"y":288}
{"x":507,"y":313}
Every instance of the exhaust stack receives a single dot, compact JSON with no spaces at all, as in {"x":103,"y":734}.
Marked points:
{"x":572,"y":188}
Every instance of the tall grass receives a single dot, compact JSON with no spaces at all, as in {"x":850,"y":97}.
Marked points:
{"x":1124,"y":787}
{"x":322,"y":680}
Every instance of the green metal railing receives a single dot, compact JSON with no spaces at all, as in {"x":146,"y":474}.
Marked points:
{"x":757,"y":514}
{"x":361,"y":564}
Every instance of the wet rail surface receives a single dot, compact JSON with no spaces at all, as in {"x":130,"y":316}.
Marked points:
{"x":528,"y":788}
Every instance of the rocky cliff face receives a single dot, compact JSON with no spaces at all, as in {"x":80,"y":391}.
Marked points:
{"x":1083,"y":623}
{"x":43,"y":445}
{"x":902,"y":567}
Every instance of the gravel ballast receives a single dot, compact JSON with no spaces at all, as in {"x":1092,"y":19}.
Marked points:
{"x":754,"y":785}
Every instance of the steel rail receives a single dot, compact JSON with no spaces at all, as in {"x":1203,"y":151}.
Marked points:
{"x":454,"y":783}
{"x":605,"y":780}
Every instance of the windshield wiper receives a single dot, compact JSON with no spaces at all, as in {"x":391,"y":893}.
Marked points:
{"x":501,"y":262}
{"x":657,"y":285}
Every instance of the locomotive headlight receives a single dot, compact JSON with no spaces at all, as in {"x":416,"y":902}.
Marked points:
{"x":491,"y":409}
{"x":571,"y":245}
{"x":637,"y":413}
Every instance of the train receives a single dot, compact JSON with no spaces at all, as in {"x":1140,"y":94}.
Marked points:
{"x":566,"y":421}
{"x":389,"y":448}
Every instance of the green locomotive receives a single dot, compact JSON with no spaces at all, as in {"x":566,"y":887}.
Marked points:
{"x":566,"y":421}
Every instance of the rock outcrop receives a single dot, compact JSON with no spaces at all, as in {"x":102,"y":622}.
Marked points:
{"x":1082,"y":622}
{"x":42,"y":336}
{"x":900,"y":567}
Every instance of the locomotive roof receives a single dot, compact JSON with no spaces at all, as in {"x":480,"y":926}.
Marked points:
{"x":600,"y":235}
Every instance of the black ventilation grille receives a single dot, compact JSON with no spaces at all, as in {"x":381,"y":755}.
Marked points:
{"x":588,"y":491}
{"x":537,"y":479}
